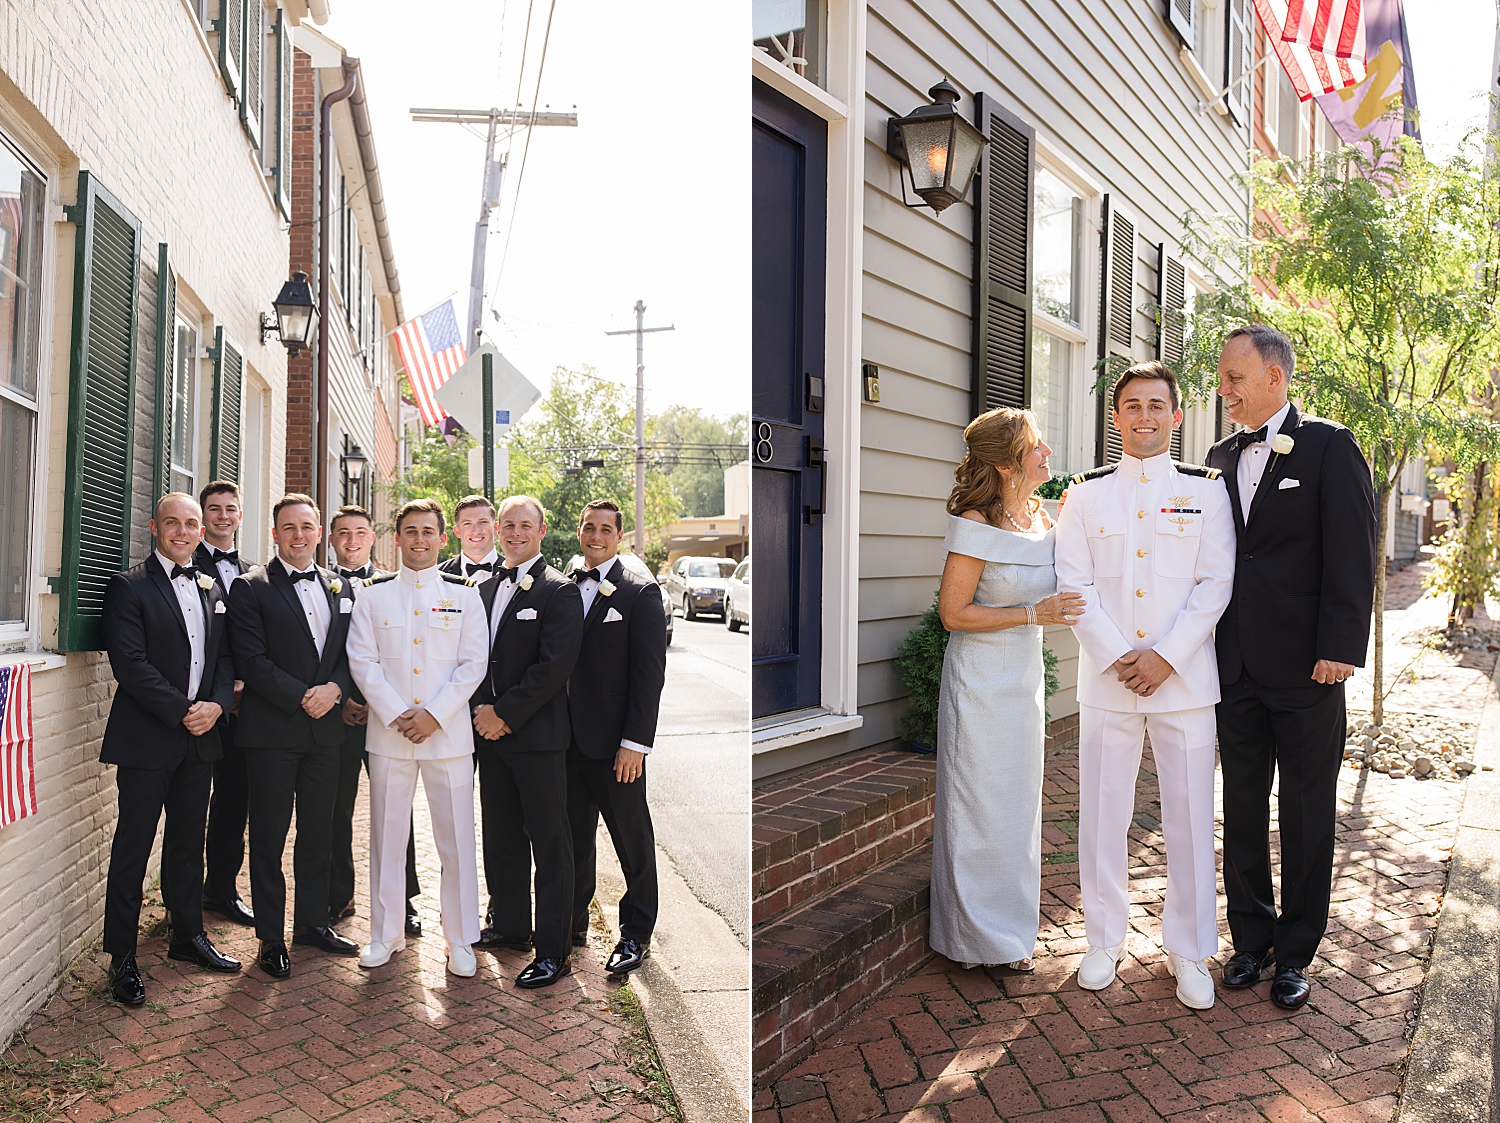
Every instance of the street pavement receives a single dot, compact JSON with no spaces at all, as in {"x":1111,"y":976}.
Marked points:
{"x":699,"y":779}
{"x":976,"y":1046}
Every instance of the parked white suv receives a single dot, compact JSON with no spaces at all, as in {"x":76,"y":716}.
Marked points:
{"x":737,"y":597}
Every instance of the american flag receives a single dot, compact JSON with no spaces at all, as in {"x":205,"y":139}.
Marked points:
{"x":431,"y":350}
{"x":17,"y":764}
{"x":1315,"y":70}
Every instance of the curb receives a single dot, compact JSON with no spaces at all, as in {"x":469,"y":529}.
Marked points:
{"x":1450,"y":1073}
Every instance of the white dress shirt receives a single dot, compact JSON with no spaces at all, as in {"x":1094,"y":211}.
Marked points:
{"x":493,"y":558}
{"x":314,"y":603}
{"x":1253,"y":461}
{"x":589,"y":589}
{"x":503,"y":594}
{"x":191,"y":603}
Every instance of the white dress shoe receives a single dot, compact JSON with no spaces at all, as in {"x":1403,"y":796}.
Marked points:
{"x":376,"y":954}
{"x":1097,"y":970}
{"x":1195,"y":986}
{"x":461,"y":961}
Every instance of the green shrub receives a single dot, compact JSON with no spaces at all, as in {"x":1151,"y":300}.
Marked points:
{"x":1054,"y":487}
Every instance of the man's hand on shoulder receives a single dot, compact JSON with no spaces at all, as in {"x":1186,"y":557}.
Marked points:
{"x":1328,"y":672}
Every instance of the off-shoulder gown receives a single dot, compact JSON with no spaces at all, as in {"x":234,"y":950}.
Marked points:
{"x":987,"y":831}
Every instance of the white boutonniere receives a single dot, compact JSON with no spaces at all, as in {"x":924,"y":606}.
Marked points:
{"x":526,"y":582}
{"x":1281,"y":444}
{"x":607,"y":588}
{"x":336,"y":585}
{"x":205,"y":582}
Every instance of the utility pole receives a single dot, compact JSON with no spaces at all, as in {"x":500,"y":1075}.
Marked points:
{"x":639,"y":331}
{"x":494,"y":174}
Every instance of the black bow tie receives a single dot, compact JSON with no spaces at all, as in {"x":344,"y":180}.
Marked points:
{"x":582,"y":575}
{"x":511,"y":573}
{"x":225,"y":555}
{"x":355,"y":574}
{"x":488,"y":566}
{"x":188,"y":571}
{"x":299,"y":575}
{"x":1242,"y":441}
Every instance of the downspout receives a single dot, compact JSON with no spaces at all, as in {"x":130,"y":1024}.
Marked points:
{"x":325,"y":194}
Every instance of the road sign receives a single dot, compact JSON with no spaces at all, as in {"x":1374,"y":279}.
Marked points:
{"x":463,"y":394}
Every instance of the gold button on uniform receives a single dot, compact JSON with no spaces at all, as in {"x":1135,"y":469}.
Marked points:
{"x":1140,"y":592}
{"x":1140,"y":634}
{"x":1140,"y":514}
{"x":416,"y":612}
{"x":416,"y":670}
{"x":1140,"y":553}
{"x":416,"y":701}
{"x":418,"y":642}
{"x":1144,"y":480}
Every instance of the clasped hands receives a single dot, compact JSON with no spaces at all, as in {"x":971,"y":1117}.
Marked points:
{"x":320,"y":699}
{"x":415,"y":725}
{"x":201,"y":717}
{"x":491,"y":725}
{"x":1142,"y":671}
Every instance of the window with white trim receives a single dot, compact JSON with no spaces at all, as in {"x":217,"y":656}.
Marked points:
{"x":1057,"y":336}
{"x":184,"y":410}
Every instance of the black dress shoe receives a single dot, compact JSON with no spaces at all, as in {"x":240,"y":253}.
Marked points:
{"x":489,"y":938}
{"x":580,"y":939}
{"x":543,"y":973}
{"x":341,"y":912}
{"x":125,"y":981}
{"x":200,"y":950}
{"x":326,"y":938}
{"x":1244,"y":969}
{"x":235,"y":910}
{"x":627,"y":956}
{"x":274,"y":960}
{"x":1290,"y":988}
{"x":413,"y":925}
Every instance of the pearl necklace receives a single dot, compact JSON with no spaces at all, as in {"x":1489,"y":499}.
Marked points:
{"x":1030,"y":520}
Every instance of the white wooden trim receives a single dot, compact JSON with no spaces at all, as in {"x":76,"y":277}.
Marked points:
{"x":792,"y":85}
{"x":804,"y":727}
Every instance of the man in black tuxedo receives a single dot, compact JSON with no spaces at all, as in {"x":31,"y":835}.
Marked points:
{"x":474,"y":528}
{"x":164,"y":629}
{"x":613,"y":699}
{"x":521,"y":722}
{"x":1297,"y":626}
{"x":288,"y":623}
{"x":228,"y":809}
{"x":352,"y":536}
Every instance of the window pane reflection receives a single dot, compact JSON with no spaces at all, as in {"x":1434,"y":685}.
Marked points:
{"x":1057,"y":226}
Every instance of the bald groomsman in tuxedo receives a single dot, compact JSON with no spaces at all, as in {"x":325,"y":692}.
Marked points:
{"x":474,"y":528}
{"x":163,"y":625}
{"x":228,"y":809}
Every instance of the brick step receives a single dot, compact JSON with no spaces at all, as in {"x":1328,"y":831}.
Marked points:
{"x":814,"y":966}
{"x":816,"y":833}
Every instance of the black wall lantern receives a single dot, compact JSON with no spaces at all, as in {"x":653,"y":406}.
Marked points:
{"x":938,"y":148}
{"x":354,"y":463}
{"x":295,"y":315}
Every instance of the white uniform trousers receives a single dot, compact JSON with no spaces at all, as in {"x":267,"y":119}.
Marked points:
{"x":449,"y":785}
{"x":1109,"y":760}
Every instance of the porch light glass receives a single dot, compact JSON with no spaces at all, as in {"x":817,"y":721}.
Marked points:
{"x":939,"y":148}
{"x":354,"y":464}
{"x":295,"y":313}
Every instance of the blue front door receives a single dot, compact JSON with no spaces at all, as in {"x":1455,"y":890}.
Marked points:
{"x":789,"y":486}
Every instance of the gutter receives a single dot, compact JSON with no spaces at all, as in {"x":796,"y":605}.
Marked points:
{"x":359,"y":111}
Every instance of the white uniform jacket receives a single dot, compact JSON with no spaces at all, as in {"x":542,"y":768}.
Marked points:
{"x":419,"y":640}
{"x":1150,"y":545}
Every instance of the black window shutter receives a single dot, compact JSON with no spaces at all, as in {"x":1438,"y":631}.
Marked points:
{"x":1237,"y":62}
{"x":1116,"y":314}
{"x":224,"y":444}
{"x":231,"y":28}
{"x":1002,"y":259}
{"x":1180,"y":16}
{"x":252,"y":102}
{"x":101,"y":410}
{"x":1171,"y":299}
{"x":283,"y":114}
{"x":166,"y":367}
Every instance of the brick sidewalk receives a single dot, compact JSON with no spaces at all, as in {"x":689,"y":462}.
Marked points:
{"x":974,"y":1046}
{"x":405,"y":1041}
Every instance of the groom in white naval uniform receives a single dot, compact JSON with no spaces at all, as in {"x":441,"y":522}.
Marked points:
{"x":419,"y":643}
{"x":1150,"y":545}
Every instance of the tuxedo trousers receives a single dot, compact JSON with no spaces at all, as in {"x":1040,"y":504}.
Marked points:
{"x":594,"y":791}
{"x":352,"y":758}
{"x":306,"y":778}
{"x":1294,"y":735}
{"x":524,"y":799}
{"x":449,"y":784}
{"x":1109,"y":761}
{"x":181,"y":791}
{"x":228,"y":814}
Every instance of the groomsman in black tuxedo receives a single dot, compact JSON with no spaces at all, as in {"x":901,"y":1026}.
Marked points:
{"x":474,"y":528}
{"x":1297,"y":626}
{"x":228,"y":809}
{"x":164,"y":630}
{"x":521,"y":718}
{"x":288,"y":623}
{"x":352,"y":536}
{"x":613,"y":699}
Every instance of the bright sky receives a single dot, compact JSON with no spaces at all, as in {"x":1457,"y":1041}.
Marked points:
{"x":1452,"y":47}
{"x":648,"y":198}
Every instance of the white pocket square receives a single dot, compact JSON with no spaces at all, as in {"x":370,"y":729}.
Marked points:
{"x":612,"y":615}
{"x":526,"y":614}
{"x":219,"y":607}
{"x":1284,"y":484}
{"x":346,"y":606}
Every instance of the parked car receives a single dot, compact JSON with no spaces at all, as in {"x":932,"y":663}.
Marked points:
{"x":641,"y":570}
{"x":737,"y":597}
{"x":697,"y":584}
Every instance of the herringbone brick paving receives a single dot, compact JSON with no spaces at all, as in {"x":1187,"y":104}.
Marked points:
{"x":975,"y":1046}
{"x":333,"y":1042}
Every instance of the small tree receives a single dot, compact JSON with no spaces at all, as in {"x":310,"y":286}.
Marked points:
{"x":1464,"y":564}
{"x":438,"y":471}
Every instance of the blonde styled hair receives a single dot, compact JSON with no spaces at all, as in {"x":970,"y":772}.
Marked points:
{"x":1001,"y":438}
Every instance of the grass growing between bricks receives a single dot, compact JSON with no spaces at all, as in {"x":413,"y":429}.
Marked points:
{"x":637,"y":1052}
{"x":35,"y":1089}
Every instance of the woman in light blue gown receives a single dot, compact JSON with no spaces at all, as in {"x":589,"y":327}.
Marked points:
{"x":998,"y":591}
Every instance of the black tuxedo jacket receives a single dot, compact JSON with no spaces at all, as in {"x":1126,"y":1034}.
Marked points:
{"x":530,"y":662}
{"x":276,"y":657}
{"x":147,"y":639}
{"x":204,"y":560}
{"x":1304,"y":577}
{"x":615,"y":691}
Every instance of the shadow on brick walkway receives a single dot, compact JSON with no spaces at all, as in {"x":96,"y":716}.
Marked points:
{"x":333,"y":1042}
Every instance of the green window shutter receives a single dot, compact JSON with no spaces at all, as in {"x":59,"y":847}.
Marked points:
{"x":1002,"y":260}
{"x":166,"y":365}
{"x":251,"y":102}
{"x":283,"y":114}
{"x":231,"y":28}
{"x":224,"y":444}
{"x":101,"y":410}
